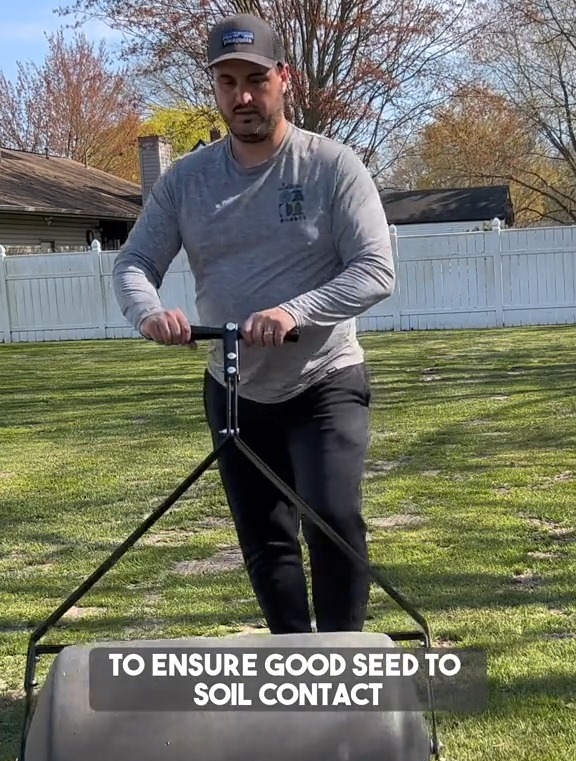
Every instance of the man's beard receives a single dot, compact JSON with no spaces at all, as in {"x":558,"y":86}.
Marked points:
{"x":259,"y":131}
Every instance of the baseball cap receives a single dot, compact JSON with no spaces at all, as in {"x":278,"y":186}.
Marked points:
{"x":244,"y":37}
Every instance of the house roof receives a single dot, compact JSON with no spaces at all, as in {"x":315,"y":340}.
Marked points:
{"x":447,"y":205}
{"x":199,"y":145}
{"x":35,"y":183}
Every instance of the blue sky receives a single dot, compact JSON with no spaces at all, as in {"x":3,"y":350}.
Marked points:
{"x":23,"y":25}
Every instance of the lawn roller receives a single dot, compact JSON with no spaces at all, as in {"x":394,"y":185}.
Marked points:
{"x":60,"y":725}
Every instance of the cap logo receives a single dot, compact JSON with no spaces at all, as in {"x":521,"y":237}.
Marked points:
{"x":238,"y":38}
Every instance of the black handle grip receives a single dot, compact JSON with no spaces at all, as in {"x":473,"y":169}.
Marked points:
{"x":205,"y":332}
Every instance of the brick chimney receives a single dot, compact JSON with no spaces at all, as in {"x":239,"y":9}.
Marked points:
{"x":214,"y":135}
{"x":155,"y":158}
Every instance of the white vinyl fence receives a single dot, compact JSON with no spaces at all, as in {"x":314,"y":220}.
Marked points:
{"x":445,"y":281}
{"x":501,"y":278}
{"x":58,"y":297}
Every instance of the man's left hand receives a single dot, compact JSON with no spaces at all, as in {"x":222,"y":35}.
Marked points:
{"x":267,"y":328}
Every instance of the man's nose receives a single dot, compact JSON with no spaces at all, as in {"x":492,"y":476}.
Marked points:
{"x":243,"y":97}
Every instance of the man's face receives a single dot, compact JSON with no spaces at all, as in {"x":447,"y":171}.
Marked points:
{"x":250,"y":97}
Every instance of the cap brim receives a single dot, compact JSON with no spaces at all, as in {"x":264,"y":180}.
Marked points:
{"x":251,"y":57}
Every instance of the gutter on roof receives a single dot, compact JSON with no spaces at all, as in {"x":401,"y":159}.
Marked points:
{"x":66,"y":212}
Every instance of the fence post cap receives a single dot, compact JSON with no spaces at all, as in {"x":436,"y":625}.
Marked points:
{"x":2,"y":251}
{"x":95,"y":245}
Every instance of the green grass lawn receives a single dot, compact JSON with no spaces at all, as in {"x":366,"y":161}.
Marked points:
{"x":470,"y":496}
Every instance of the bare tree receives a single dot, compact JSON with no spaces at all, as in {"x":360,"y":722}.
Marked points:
{"x":362,"y":69}
{"x":74,"y":105}
{"x":23,"y":122}
{"x":531,"y":57}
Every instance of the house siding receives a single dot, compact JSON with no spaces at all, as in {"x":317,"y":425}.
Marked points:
{"x":24,"y":233}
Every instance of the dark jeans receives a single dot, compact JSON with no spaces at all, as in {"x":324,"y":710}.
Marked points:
{"x":316,"y":443}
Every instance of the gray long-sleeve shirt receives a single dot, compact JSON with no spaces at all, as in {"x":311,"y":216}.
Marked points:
{"x":306,"y":230}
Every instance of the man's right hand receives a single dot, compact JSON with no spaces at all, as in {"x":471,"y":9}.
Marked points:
{"x":168,"y":327}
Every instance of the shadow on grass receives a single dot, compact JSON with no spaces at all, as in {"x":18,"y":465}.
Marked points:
{"x":441,"y":591}
{"x":468,"y":437}
{"x":150,"y":428}
{"x":427,"y":590}
{"x":431,"y":586}
{"x":112,"y":382}
{"x":508,"y":701}
{"x":114,"y":623}
{"x":11,"y":718}
{"x":546,"y":687}
{"x":420,"y":367}
{"x":391,"y":393}
{"x":122,"y":581}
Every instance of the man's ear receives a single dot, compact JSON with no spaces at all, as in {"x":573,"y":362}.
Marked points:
{"x":285,"y":76}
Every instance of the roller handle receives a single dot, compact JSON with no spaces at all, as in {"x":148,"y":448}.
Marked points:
{"x":205,"y":332}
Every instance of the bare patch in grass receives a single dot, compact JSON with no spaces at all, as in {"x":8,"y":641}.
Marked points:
{"x":376,"y":468}
{"x":136,"y":482}
{"x":229,"y":559}
{"x":168,"y":538}
{"x":6,"y":474}
{"x":538,"y":555}
{"x":252,"y":626}
{"x":13,"y":556}
{"x":447,"y":643}
{"x":80,"y":612}
{"x":540,"y":522}
{"x":552,"y":529}
{"x":558,"y":611}
{"x":527,"y":580}
{"x":559,"y":478}
{"x":566,"y":475}
{"x":214,"y":522}
{"x":559,"y":635}
{"x":564,"y":535}
{"x":430,"y":374}
{"x":10,"y":696}
{"x":400,"y":520}
{"x":199,"y":489}
{"x":500,"y":398}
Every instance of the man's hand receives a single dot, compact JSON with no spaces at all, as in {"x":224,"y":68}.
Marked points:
{"x":168,"y":327}
{"x":267,"y":328}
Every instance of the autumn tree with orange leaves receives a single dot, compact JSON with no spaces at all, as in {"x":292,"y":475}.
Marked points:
{"x":480,"y":138}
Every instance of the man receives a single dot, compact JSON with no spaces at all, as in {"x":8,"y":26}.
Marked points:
{"x":283,"y":228}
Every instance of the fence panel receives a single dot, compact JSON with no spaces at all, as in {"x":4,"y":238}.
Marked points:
{"x":447,"y":281}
